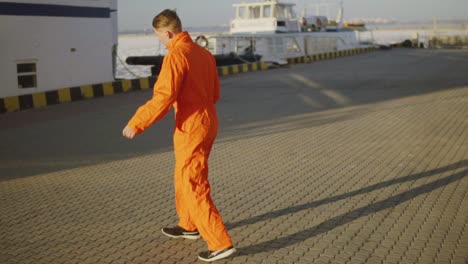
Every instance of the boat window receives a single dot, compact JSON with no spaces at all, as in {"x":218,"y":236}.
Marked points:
{"x":292,"y":13}
{"x":254,"y":12}
{"x":242,"y":12}
{"x":280,"y":12}
{"x":267,"y":11}
{"x":27,"y":74}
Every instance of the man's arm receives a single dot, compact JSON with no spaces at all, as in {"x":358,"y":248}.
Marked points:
{"x":166,"y":90}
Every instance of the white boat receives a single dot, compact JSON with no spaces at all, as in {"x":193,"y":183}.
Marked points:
{"x":272,"y":29}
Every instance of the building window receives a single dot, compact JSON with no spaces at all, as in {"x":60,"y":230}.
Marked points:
{"x":27,"y":74}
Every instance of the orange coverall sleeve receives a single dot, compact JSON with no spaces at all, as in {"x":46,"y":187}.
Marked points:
{"x":165,"y":92}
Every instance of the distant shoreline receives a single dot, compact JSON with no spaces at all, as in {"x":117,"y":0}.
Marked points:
{"x":408,"y":25}
{"x":189,"y":29}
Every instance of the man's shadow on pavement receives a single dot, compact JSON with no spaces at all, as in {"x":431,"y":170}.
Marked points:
{"x":350,"y":216}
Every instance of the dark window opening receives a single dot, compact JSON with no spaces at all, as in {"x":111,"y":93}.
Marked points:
{"x":27,"y":76}
{"x":27,"y":81}
{"x":26,"y":67}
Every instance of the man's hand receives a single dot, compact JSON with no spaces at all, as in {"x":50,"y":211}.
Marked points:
{"x":128,"y":132}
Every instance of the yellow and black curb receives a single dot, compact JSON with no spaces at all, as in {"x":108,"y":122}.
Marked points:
{"x":66,"y":95}
{"x":241,"y":68}
{"x":330,"y":55}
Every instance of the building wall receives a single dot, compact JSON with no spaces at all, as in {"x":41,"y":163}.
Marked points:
{"x":68,"y":51}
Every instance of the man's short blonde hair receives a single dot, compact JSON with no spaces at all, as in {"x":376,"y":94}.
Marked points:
{"x":168,"y":18}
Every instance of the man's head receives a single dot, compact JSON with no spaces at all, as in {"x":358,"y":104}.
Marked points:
{"x":166,"y":25}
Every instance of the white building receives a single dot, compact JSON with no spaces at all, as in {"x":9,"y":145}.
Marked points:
{"x":51,"y":44}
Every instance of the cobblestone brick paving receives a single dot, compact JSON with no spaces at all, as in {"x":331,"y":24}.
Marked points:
{"x":380,"y":181}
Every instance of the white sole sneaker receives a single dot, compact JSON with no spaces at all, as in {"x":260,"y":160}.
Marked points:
{"x":179,"y":233}
{"x":209,"y":256}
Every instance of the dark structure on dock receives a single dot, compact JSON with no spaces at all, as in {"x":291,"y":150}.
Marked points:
{"x":221,"y":60}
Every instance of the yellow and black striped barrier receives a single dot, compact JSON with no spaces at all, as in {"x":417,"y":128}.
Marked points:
{"x":329,"y":55}
{"x":240,"y":68}
{"x":66,"y":95}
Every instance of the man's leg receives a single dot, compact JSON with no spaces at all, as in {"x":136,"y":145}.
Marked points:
{"x":185,"y":227}
{"x":182,"y":211}
{"x":197,"y":198}
{"x":204,"y":213}
{"x":192,"y":149}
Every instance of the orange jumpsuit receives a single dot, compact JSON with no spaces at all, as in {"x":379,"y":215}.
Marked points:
{"x":189,"y":81}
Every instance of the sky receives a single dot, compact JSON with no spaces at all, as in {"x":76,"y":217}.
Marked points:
{"x":138,"y":14}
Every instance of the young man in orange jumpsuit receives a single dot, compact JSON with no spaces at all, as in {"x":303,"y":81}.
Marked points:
{"x":189,"y":82}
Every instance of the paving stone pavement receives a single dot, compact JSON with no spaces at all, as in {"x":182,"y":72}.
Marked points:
{"x":357,"y":160}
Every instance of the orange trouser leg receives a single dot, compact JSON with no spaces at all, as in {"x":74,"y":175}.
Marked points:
{"x":182,"y":210}
{"x":194,"y":205}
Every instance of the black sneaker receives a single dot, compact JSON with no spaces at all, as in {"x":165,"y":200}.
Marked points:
{"x":215,"y":255}
{"x":179,"y":232}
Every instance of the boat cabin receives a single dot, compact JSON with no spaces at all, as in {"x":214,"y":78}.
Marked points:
{"x":267,"y":16}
